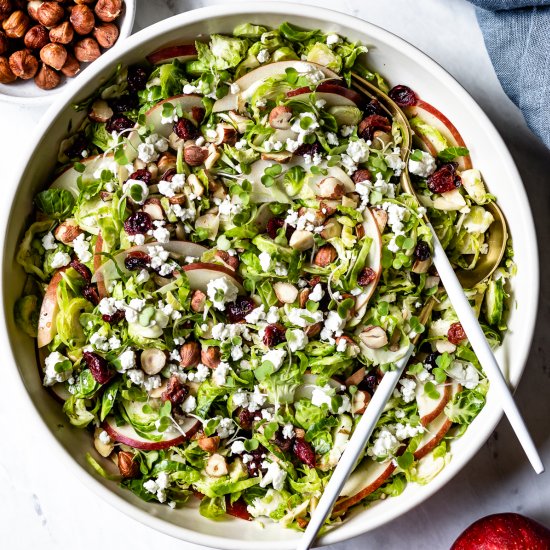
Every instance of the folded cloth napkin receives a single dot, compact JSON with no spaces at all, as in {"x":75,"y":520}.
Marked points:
{"x":516,"y":34}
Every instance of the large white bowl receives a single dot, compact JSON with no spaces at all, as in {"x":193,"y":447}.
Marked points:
{"x":400,"y":63}
{"x":26,"y":92}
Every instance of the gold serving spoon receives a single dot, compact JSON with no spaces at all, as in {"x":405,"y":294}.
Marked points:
{"x":497,"y":234}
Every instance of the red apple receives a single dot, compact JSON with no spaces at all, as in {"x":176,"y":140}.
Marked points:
{"x":153,"y":117}
{"x":127,"y":435}
{"x":183,"y":52}
{"x":429,"y":409}
{"x":506,"y":531}
{"x":200,"y":274}
{"x":333,"y":94}
{"x":47,"y":328}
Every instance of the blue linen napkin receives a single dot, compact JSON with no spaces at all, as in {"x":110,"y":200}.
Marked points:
{"x":517,"y":37}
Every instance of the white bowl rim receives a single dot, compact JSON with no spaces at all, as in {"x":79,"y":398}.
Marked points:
{"x":345,"y":531}
{"x":125,"y":30}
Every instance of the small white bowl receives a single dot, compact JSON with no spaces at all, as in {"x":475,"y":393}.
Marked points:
{"x":400,"y":63}
{"x":26,"y":92}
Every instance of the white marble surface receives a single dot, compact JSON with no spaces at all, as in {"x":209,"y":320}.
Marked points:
{"x":40,"y":506}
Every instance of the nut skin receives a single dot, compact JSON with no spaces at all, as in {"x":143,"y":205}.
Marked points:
{"x":71,"y":67}
{"x":36,"y":37}
{"x":108,"y":10}
{"x":4,"y":43}
{"x":374,"y":337}
{"x":195,"y":155}
{"x":54,"y":55}
{"x":50,"y":14}
{"x":313,"y":330}
{"x":216,"y":466}
{"x":82,"y":19}
{"x":209,"y":444}
{"x":6,"y":7}
{"x":127,"y":466}
{"x":279,"y":117}
{"x":87,"y":50}
{"x":16,"y":25}
{"x":197,"y":301}
{"x":325,"y":256}
{"x":23,"y":64}
{"x":106,"y":34}
{"x":46,"y":78}
{"x":210,"y":357}
{"x":190,"y":355}
{"x":32,"y":8}
{"x":6,"y":74}
{"x":62,"y":34}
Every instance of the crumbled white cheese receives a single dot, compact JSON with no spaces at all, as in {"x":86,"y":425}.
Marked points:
{"x":221,"y":291}
{"x":424,"y":167}
{"x":276,"y":357}
{"x":316,"y":294}
{"x":48,"y":241}
{"x":303,"y":317}
{"x":51,"y":376}
{"x":60,"y":259}
{"x":265,"y":261}
{"x":225,"y":428}
{"x":297,"y":339}
{"x":263,"y":56}
{"x":274,"y":475}
{"x":82,"y":248}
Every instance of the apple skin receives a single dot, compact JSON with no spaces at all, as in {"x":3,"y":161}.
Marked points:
{"x":185,"y":51}
{"x":331,"y":88}
{"x":507,"y":531}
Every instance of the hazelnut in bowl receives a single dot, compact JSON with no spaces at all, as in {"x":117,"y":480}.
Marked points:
{"x":44,"y":44}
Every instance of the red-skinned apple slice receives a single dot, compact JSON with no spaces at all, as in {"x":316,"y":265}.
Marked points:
{"x":181,"y":52}
{"x":128,"y":436}
{"x":364,"y":480}
{"x":200,"y":274}
{"x":47,"y":328}
{"x":374,"y":261}
{"x":248,"y":82}
{"x":429,"y":409}
{"x":68,"y":178}
{"x":153,"y":117}
{"x":433,"y":117}
{"x":108,"y":272}
{"x":333,"y":94}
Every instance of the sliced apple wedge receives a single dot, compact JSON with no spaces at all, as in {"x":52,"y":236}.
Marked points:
{"x":250,"y":81}
{"x":444,"y":133}
{"x":128,"y":436}
{"x":200,"y":274}
{"x":109,"y":271}
{"x":332,"y":94}
{"x":429,"y":409}
{"x":68,"y":178}
{"x":153,"y":117}
{"x":47,"y":327}
{"x":364,"y":480}
{"x":181,"y":52}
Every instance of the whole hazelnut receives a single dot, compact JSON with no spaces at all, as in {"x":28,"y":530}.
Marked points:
{"x":82,"y":19}
{"x":4,"y":43}
{"x":108,"y":10}
{"x":87,"y":50}
{"x":36,"y":37}
{"x":84,"y":1}
{"x":106,"y":34}
{"x":50,"y":13}
{"x":6,"y":8}
{"x":32,"y":8}
{"x":23,"y":64}
{"x":54,"y":55}
{"x":16,"y":25}
{"x":71,"y":67}
{"x":62,"y":34}
{"x":46,"y":78}
{"x":6,"y":74}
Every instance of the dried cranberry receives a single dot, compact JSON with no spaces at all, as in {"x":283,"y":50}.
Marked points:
{"x":369,"y":383}
{"x":304,"y":452}
{"x":444,"y":179}
{"x":422,"y":251}
{"x":197,"y":113}
{"x":124,"y":104}
{"x":239,"y":309}
{"x":374,"y":108}
{"x":141,"y":175}
{"x":273,"y":335}
{"x":371,"y":124}
{"x":456,"y":334}
{"x":246,"y":419}
{"x":140,"y":222}
{"x":115,"y":318}
{"x":82,"y":270}
{"x":366,"y":277}
{"x":403,"y":96}
{"x":431,"y":361}
{"x":137,"y":78}
{"x":90,"y":293}
{"x":308,"y":149}
{"x":254,"y":465}
{"x":273,"y":225}
{"x":77,"y":147}
{"x":169,"y":174}
{"x":137,"y":260}
{"x":361,"y":175}
{"x":282,"y":442}
{"x":185,"y":129}
{"x":176,"y":392}
{"x":98,"y":367}
{"x":119,"y":123}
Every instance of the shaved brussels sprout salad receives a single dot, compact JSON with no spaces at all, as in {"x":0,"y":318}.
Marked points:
{"x":224,"y":265}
